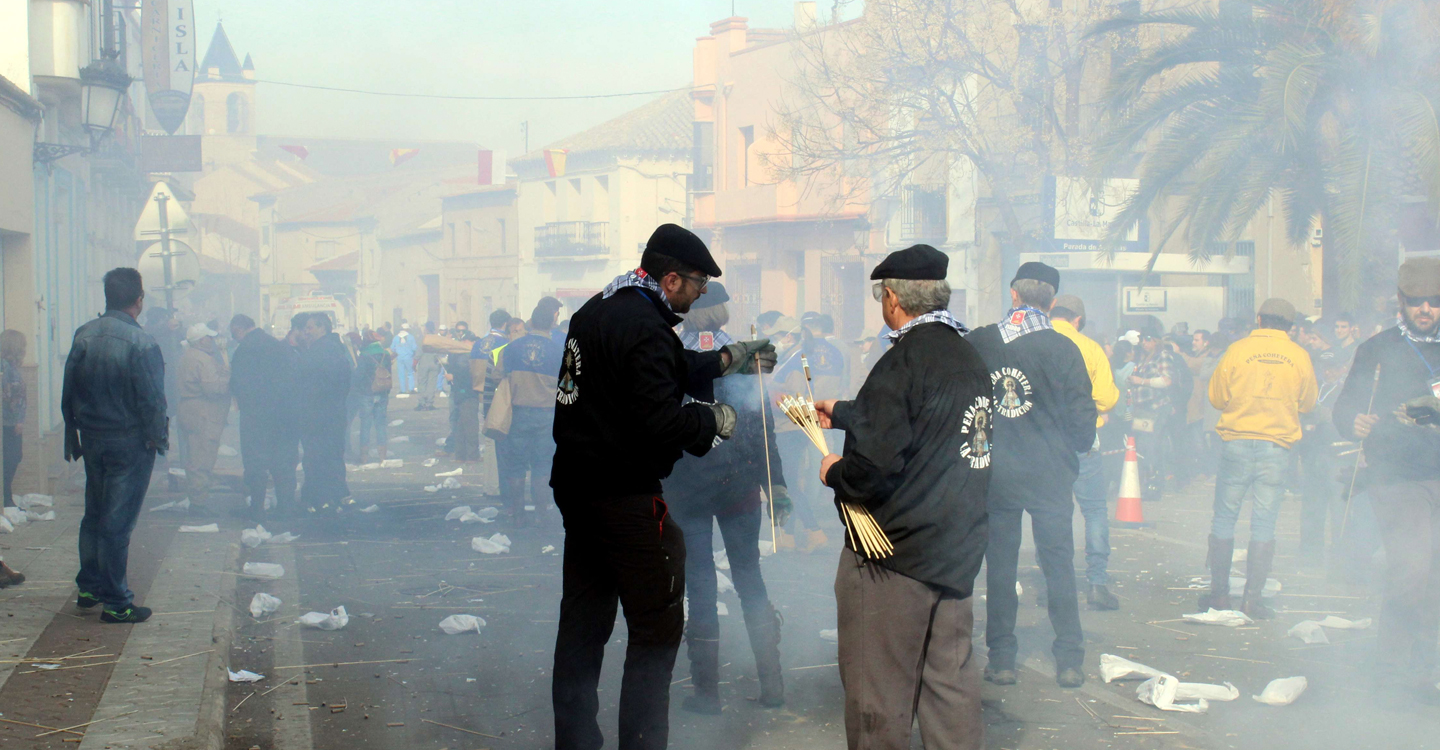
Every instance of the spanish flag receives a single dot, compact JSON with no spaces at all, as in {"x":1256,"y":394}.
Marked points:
{"x":399,"y":156}
{"x":555,"y":161}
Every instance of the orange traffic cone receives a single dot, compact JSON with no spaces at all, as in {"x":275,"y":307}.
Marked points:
{"x":1127,"y":511}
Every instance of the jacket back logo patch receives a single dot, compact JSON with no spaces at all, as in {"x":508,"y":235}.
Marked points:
{"x":707,"y":341}
{"x":567,"y":390}
{"x":1012,"y":392}
{"x":976,"y":428}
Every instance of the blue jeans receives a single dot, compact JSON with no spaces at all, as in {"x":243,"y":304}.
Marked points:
{"x":117,"y":475}
{"x":1246,"y":464}
{"x":1090,"y":492}
{"x":372,"y":408}
{"x":405,"y":374}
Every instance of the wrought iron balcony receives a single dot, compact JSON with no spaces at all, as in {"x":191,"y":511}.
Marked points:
{"x":572,"y":238}
{"x":923,"y":213}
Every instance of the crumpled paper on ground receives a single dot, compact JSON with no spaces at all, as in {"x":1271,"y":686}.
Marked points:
{"x":1230,"y":618}
{"x":263,"y":604}
{"x":723,"y":583}
{"x":427,"y":463}
{"x":282,"y":538}
{"x":400,"y":439}
{"x":1309,"y":631}
{"x":1191,"y":692}
{"x":255,"y":537}
{"x":1114,"y":667}
{"x":722,"y":560}
{"x":457,"y":624}
{"x":31,"y":515}
{"x":32,"y":501}
{"x":337,"y":619}
{"x":245,"y":675}
{"x":393,"y":463}
{"x":5,"y":526}
{"x":209,"y":528}
{"x":1282,"y":692}
{"x":15,"y":516}
{"x":452,"y":473}
{"x":264,"y":570}
{"x":496,"y":544}
{"x":172,"y":507}
{"x":371,"y":509}
{"x":475,"y":518}
{"x":451,"y":483}
{"x":396,"y":422}
{"x":456,"y":512}
{"x":1340,"y":623}
{"x":1162,"y":693}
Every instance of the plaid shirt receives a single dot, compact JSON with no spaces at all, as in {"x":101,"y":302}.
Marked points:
{"x":935,"y":316}
{"x":1162,"y":364}
{"x":636,"y":278}
{"x":1022,"y":320}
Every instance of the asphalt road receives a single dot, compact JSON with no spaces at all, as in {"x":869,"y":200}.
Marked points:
{"x":402,"y":569}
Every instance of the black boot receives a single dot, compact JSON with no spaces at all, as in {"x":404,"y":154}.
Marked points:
{"x":764,"y":629}
{"x":1257,"y":570}
{"x":704,"y":676}
{"x":1222,"y":552}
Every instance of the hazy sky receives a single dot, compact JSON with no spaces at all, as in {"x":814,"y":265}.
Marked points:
{"x":466,"y":47}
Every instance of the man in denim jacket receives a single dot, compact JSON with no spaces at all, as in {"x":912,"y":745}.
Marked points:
{"x":114,"y":408}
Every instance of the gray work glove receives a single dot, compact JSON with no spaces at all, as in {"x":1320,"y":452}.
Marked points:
{"x":781,"y":505}
{"x":725,"y":419}
{"x":743,"y":354}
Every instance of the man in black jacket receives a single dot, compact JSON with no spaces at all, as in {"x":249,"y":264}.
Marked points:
{"x":325,"y":369}
{"x":1402,"y":472}
{"x":620,"y":426}
{"x":113,"y":402}
{"x":916,"y":456}
{"x":1044,"y":417}
{"x":262,"y":379}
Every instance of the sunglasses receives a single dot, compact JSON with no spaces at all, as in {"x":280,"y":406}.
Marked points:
{"x":1433,"y":299}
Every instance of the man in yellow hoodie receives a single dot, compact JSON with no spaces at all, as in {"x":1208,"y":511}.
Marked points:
{"x":1068,"y":318}
{"x":1262,"y":385}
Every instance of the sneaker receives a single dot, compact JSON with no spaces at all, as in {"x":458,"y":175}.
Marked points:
{"x":131,"y":614}
{"x":10,"y":576}
{"x":85,"y":600}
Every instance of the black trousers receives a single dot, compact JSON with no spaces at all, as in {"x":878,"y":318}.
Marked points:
{"x":324,"y":461}
{"x":14,"y":451}
{"x":465,"y":425}
{"x":626,"y":551}
{"x":1055,"y":547}
{"x":268,"y":453}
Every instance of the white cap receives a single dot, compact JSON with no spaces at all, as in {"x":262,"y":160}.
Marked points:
{"x":443,"y":328}
{"x":1132,"y":336}
{"x":404,"y":326}
{"x":199,"y":331}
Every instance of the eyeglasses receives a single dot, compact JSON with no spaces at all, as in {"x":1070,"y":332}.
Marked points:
{"x":700,"y":281}
{"x":1433,"y":299}
{"x":877,"y":290}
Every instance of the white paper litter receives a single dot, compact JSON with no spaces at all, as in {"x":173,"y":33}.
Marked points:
{"x":5,"y":526}
{"x":1114,"y":667}
{"x":450,"y":483}
{"x":264,"y":570}
{"x":474,"y":518}
{"x":15,"y":516}
{"x":1161,"y":692}
{"x":830,"y":635}
{"x":721,"y":609}
{"x":245,"y":675}
{"x":1019,"y":590}
{"x":372,"y":466}
{"x":334,"y":621}
{"x":402,"y":395}
{"x":400,"y":439}
{"x":393,"y":463}
{"x":722,"y":560}
{"x":1230,"y":618}
{"x":1340,"y":623}
{"x":1309,"y":631}
{"x":263,"y":604}
{"x":457,"y":512}
{"x":453,"y":473}
{"x":457,"y":624}
{"x":209,"y":528}
{"x":396,"y":422}
{"x":255,"y":537}
{"x":48,"y":515}
{"x":427,"y":463}
{"x":496,"y":544}
{"x":547,"y":549}
{"x":177,"y":473}
{"x":172,"y":507}
{"x":227,"y":451}
{"x":723,"y":583}
{"x":439,"y":441}
{"x":767,"y":548}
{"x":432,"y":488}
{"x":46,"y":667}
{"x":28,"y":502}
{"x":1282,"y":692}
{"x":371,"y":509}
{"x":282,"y":538}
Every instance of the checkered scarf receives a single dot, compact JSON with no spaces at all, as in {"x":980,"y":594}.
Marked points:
{"x":936,"y":316}
{"x":691,"y":340}
{"x":1022,"y":320}
{"x":1407,"y":333}
{"x":636,"y":278}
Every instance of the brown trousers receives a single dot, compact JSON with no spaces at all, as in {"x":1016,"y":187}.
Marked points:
{"x":905,"y":653}
{"x":1409,"y":518}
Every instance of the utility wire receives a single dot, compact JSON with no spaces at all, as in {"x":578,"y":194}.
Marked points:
{"x":412,"y":95}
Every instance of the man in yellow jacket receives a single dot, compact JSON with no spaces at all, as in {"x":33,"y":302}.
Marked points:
{"x":1068,"y":318}
{"x":1261,"y":386}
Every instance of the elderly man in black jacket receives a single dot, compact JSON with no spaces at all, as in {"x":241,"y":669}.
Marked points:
{"x":620,"y":426}
{"x":1044,"y":417}
{"x":113,"y":402}
{"x":262,"y":379}
{"x":916,"y":456}
{"x":325,"y":369}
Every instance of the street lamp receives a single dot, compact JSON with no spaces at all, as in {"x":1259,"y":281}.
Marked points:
{"x":103,"y":84}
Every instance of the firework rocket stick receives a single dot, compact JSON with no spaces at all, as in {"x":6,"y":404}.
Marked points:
{"x":765,"y":446}
{"x":1374,"y":386}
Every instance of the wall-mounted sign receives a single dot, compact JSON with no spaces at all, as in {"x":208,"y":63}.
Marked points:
{"x":1083,"y":216}
{"x":1146,"y":300}
{"x":168,"y":55}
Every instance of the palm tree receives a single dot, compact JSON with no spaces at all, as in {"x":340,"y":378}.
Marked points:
{"x":1329,"y":105}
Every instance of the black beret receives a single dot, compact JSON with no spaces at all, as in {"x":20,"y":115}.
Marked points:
{"x":674,"y":241}
{"x":914,"y":262}
{"x":1039,"y":272}
{"x":715,"y":294}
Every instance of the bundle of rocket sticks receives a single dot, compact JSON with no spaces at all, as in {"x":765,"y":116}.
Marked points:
{"x":865,"y":534}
